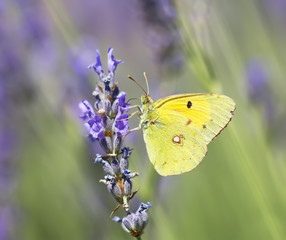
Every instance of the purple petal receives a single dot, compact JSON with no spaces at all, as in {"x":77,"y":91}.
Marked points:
{"x":97,"y":66}
{"x":121,"y":124}
{"x":112,"y":63}
{"x":86,"y":109}
{"x":123,"y":106}
{"x":144,"y":207}
{"x":94,"y":127}
{"x":117,"y":219}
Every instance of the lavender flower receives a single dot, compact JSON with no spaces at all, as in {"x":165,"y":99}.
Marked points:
{"x":134,"y":223}
{"x":107,"y":123}
{"x":111,"y":121}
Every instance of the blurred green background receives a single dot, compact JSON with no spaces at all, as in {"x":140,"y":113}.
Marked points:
{"x":49,"y":185}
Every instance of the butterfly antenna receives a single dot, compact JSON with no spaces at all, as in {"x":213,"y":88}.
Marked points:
{"x":131,"y":99}
{"x":145,"y":76}
{"x":137,"y":84}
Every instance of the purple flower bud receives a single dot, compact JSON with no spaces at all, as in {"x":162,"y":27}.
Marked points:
{"x":115,"y":190}
{"x":107,"y":123}
{"x":137,"y":223}
{"x":115,"y":107}
{"x":126,"y":152}
{"x":107,"y":106}
{"x":124,"y":163}
{"x":105,"y":144}
{"x":127,"y":187}
{"x":115,"y":166}
{"x":127,"y":222}
{"x":144,"y":217}
{"x":106,"y":166}
{"x":112,"y":63}
{"x":117,"y":142}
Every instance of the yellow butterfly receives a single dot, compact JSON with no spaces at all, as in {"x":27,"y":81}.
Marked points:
{"x":177,"y":128}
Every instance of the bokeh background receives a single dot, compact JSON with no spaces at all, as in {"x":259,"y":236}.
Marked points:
{"x":49,"y":185}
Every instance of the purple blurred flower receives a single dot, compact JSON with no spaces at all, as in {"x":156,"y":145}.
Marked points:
{"x":80,"y":57}
{"x":5,"y":223}
{"x":276,"y":8}
{"x":258,"y":87}
{"x":257,"y":77}
{"x":164,"y":38}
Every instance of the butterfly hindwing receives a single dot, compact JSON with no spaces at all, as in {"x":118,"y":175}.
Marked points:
{"x":209,"y":112}
{"x":174,"y":143}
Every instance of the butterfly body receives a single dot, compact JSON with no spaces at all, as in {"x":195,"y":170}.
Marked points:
{"x":177,"y":128}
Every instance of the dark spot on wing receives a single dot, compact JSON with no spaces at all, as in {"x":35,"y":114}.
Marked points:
{"x":178,"y":139}
{"x":188,"y":122}
{"x":189,"y":104}
{"x":204,"y":126}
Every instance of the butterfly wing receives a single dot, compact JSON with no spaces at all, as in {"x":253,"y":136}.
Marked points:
{"x":209,"y":112}
{"x":174,"y":143}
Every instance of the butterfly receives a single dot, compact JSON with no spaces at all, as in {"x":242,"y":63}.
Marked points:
{"x":177,"y":128}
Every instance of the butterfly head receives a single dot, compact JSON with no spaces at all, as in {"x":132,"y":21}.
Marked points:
{"x":146,"y":99}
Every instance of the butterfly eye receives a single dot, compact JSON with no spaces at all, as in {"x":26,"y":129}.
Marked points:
{"x":189,"y":104}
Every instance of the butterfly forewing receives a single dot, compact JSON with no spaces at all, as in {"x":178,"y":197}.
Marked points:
{"x":209,"y":112}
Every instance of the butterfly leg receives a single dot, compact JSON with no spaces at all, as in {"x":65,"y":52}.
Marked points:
{"x":131,"y":130}
{"x":131,"y":115}
{"x":134,"y":106}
